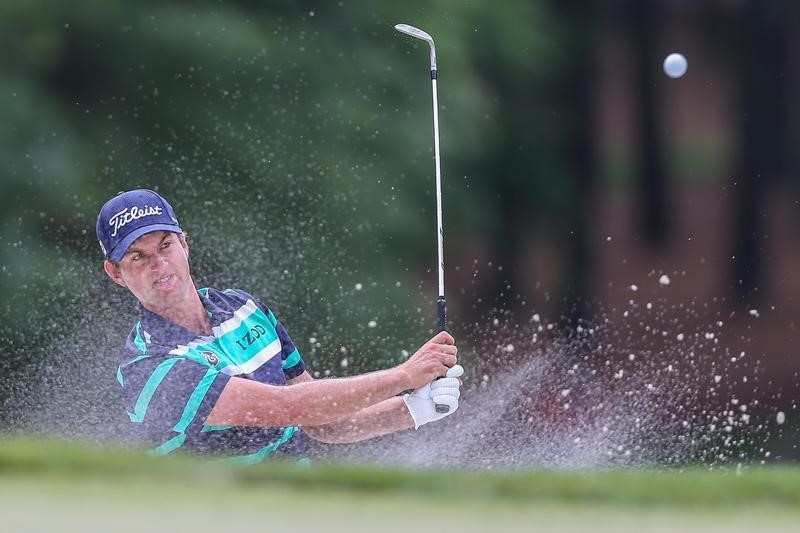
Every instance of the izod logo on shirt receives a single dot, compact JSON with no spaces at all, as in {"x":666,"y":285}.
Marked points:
{"x":251,"y":336}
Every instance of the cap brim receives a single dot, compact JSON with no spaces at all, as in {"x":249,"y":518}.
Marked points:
{"x":123,"y":245}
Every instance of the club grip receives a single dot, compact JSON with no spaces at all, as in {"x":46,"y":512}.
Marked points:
{"x":441,"y":307}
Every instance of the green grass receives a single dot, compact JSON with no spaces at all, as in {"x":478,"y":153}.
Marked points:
{"x":47,"y":485}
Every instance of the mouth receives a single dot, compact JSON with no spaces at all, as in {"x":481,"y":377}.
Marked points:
{"x":164,"y":281}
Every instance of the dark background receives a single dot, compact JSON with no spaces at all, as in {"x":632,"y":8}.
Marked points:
{"x":294,"y":140}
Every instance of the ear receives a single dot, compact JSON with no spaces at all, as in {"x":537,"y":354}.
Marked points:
{"x":184,"y":243}
{"x":113,"y":272}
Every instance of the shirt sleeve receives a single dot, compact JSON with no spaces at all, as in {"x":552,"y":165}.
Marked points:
{"x":292,"y":362}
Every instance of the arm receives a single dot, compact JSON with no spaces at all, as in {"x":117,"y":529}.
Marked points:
{"x":245,"y":402}
{"x":395,"y":414}
{"x":379,"y":419}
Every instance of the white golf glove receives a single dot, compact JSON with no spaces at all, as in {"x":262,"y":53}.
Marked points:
{"x":422,"y":402}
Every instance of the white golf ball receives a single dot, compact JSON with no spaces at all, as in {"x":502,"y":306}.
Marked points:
{"x":675,"y":65}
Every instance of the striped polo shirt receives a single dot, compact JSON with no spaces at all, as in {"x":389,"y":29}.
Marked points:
{"x":171,"y":378}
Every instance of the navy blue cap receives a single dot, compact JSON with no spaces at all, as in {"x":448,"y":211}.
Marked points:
{"x":128,"y":216}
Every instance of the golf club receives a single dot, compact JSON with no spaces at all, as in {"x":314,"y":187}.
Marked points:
{"x":440,"y":301}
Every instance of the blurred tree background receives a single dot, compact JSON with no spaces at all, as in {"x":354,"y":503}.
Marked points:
{"x":294,"y":140}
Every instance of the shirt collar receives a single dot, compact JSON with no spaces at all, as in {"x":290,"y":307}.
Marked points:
{"x":168,"y":332}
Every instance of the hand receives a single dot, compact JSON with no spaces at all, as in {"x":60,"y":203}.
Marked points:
{"x":422,"y":402}
{"x":431,"y":361}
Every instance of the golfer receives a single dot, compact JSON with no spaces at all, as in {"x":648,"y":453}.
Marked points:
{"x":214,"y":371}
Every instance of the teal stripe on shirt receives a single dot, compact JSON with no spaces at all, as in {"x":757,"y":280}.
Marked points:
{"x":170,"y":446}
{"x":139,"y":340}
{"x":119,"y":369}
{"x":150,"y":388}
{"x":206,"y":429}
{"x":261,"y":454}
{"x":188,"y":415}
{"x":292,"y":360}
{"x":195,"y":400}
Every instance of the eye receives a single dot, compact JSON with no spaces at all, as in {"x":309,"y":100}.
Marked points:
{"x":136,"y":256}
{"x":166,"y":244}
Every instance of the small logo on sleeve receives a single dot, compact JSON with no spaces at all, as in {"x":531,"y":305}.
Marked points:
{"x":211,"y":357}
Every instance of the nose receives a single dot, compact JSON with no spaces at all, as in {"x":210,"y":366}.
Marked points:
{"x":157,"y":260}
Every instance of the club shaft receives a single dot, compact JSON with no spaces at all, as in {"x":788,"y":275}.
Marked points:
{"x":441,"y":305}
{"x":439,"y":223}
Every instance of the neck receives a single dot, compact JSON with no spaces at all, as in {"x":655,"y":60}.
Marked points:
{"x":190,"y":314}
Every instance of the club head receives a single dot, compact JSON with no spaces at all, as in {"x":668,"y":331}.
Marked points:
{"x":419,"y":34}
{"x":414,"y":32}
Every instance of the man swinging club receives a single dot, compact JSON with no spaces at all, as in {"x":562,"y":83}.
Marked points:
{"x":213,"y":371}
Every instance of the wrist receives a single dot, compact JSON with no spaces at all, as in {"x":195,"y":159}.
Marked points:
{"x":401,"y":379}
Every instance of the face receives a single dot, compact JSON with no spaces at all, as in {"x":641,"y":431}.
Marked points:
{"x":156,"y":270}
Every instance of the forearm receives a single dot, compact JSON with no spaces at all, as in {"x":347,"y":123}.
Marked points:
{"x":345,"y":397}
{"x":306,"y":402}
{"x":311,"y":403}
{"x":382,"y":418}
